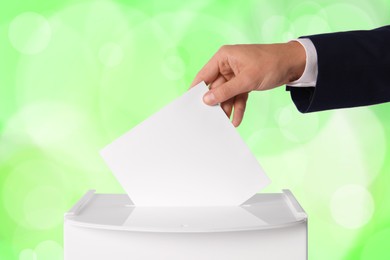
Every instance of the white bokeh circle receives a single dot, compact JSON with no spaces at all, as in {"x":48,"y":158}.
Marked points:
{"x":276,"y":29}
{"x":111,"y":54}
{"x":173,"y":67}
{"x":354,"y":16}
{"x":352,"y":206}
{"x":29,"y":33}
{"x":34,"y":193}
{"x":345,"y":151}
{"x":45,"y":121}
{"x":289,"y":167}
{"x":295,"y":126}
{"x":49,"y":250}
{"x":43,"y":207}
{"x":284,"y":116}
{"x":310,"y":24}
{"x":27,"y":254}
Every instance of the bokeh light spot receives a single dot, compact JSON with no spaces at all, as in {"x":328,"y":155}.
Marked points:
{"x":295,"y":126}
{"x":289,"y":167}
{"x":111,"y":54}
{"x":27,"y":254}
{"x":43,"y":207}
{"x":345,"y":16}
{"x":173,"y":67}
{"x":49,"y":250}
{"x":34,"y":194}
{"x":310,"y":24}
{"x":352,"y":206}
{"x":276,"y":28}
{"x":344,"y":156}
{"x":29,"y":33}
{"x":45,"y":121}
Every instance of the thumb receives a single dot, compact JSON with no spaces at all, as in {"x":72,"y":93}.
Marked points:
{"x":226,"y":91}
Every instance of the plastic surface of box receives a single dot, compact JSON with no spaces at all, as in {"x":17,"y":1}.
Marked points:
{"x":270,"y":226}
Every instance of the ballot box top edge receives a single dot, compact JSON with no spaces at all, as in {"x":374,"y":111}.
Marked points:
{"x":117,"y":212}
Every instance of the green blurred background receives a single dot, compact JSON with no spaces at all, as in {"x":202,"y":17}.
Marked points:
{"x":74,"y":75}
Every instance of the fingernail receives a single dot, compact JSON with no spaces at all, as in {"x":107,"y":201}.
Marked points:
{"x":209,"y":98}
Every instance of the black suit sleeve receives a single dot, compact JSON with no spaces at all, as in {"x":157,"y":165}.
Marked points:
{"x":353,"y":70}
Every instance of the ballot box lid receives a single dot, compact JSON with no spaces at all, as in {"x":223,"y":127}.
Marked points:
{"x":117,"y":212}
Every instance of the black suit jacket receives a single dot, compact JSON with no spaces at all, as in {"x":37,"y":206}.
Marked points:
{"x":353,"y":70}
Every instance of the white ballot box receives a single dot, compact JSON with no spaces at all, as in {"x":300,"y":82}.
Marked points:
{"x":191,"y":179}
{"x":269,"y":226}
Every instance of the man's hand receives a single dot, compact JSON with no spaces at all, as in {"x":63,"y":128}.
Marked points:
{"x":235,"y":70}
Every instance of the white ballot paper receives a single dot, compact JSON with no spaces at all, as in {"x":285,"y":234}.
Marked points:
{"x":187,"y":154}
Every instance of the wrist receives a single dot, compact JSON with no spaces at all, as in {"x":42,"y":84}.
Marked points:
{"x":295,"y":60}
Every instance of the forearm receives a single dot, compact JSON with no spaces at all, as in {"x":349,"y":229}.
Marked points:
{"x":353,"y":69}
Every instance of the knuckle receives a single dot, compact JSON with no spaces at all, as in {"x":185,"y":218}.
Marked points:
{"x":224,"y":48}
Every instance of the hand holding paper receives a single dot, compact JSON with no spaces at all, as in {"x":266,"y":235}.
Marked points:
{"x":187,"y":154}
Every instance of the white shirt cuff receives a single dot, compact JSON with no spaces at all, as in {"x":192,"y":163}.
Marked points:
{"x":309,"y":76}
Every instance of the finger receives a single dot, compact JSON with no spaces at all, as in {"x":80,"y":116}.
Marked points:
{"x":218,"y":82}
{"x":225,"y":69}
{"x":239,"y":108}
{"x":208,"y":73}
{"x":227,"y":107}
{"x":226,"y":91}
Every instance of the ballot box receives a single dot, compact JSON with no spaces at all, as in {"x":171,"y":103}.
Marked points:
{"x":191,"y":186}
{"x":269,"y":226}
